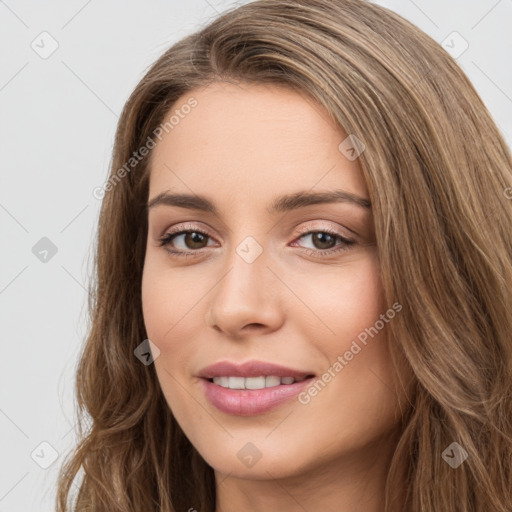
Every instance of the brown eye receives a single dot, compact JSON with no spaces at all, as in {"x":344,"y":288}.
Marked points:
{"x":323,"y":240}
{"x":194,"y":239}
{"x":189,"y":240}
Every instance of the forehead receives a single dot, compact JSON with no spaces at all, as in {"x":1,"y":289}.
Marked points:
{"x":251,"y":140}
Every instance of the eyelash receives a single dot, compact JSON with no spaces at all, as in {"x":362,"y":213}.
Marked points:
{"x":167,"y":238}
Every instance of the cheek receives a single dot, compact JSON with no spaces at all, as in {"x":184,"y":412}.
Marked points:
{"x":345,"y":301}
{"x":351,"y":336}
{"x":168,"y":297}
{"x":170,"y":323}
{"x":363,"y":301}
{"x":174,"y":316}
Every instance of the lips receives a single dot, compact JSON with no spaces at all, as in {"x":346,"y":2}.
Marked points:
{"x":248,"y":402}
{"x":251,"y":369}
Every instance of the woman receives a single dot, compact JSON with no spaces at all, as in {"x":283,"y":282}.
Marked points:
{"x":302,"y":298}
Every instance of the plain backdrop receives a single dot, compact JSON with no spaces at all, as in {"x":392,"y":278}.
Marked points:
{"x":66,"y":70}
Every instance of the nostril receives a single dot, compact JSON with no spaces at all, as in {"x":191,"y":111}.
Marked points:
{"x":254,"y":326}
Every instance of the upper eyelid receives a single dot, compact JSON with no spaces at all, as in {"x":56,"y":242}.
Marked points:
{"x":190,"y":226}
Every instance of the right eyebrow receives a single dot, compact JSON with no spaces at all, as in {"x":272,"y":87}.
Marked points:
{"x":192,"y":202}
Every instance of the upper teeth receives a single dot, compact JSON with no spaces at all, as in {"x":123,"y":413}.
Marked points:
{"x":253,"y":382}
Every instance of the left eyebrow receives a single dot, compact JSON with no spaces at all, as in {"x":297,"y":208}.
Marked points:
{"x":305,"y":198}
{"x":280,"y":204}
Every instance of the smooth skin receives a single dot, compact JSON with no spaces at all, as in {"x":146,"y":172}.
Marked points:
{"x":296,"y":304}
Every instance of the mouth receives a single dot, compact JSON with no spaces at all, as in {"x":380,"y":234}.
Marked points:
{"x":252,"y":387}
{"x":255,"y":383}
{"x":228,"y":396}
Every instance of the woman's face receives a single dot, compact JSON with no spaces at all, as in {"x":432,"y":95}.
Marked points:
{"x":263,"y":278}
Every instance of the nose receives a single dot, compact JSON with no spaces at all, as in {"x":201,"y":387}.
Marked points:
{"x":246,"y":299}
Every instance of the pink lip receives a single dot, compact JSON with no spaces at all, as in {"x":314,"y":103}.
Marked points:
{"x":250,"y":369}
{"x":248,"y":402}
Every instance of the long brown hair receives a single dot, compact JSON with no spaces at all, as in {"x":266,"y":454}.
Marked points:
{"x":439,"y":175}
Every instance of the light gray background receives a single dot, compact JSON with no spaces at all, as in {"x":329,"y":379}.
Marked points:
{"x":58,"y":117}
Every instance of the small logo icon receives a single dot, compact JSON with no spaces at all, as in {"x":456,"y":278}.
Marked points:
{"x":249,"y":249}
{"x":249,"y":455}
{"x":455,"y":455}
{"x":147,"y":352}
{"x":455,"y":45}
{"x":44,"y":250}
{"x":352,"y":147}
{"x":44,"y":455}
{"x":44,"y":45}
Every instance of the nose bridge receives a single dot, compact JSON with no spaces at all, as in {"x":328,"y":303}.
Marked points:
{"x":242,"y":296}
{"x":248,"y":272}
